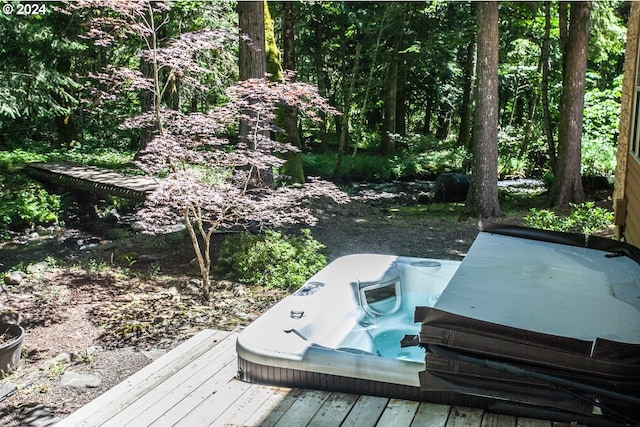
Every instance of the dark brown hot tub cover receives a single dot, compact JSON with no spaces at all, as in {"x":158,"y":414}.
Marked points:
{"x":530,"y":314}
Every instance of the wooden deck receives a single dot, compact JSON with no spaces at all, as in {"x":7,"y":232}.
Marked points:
{"x":95,"y":179}
{"x":195,"y":385}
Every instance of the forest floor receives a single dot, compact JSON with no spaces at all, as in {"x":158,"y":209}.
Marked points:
{"x":106,"y":316}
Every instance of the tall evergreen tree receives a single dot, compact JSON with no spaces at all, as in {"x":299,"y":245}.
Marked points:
{"x":293,"y":167}
{"x":482,"y":200}
{"x":252,"y":60}
{"x":567,"y":185}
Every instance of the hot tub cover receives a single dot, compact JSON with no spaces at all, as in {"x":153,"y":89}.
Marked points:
{"x":530,"y":314}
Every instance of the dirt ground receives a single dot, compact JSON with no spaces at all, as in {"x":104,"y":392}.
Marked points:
{"x":108,"y":316}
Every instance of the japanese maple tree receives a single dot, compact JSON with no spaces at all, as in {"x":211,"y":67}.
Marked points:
{"x":211,"y":183}
{"x":207,"y":179}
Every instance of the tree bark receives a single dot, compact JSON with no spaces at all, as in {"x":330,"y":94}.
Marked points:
{"x":482,"y":199}
{"x":387,"y":143}
{"x":320,"y":73}
{"x":293,"y":168}
{"x":344,"y":122}
{"x":252,"y":61}
{"x":65,"y":124}
{"x":401,"y":103}
{"x":567,"y":185}
{"x":444,"y":120}
{"x":544,"y":85}
{"x":146,"y":104}
{"x":464,"y":133}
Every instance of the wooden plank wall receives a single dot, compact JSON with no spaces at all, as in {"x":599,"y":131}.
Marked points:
{"x":632,"y":228}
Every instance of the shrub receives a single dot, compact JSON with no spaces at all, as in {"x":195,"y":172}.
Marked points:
{"x":25,"y":203}
{"x":421,"y":155}
{"x":273,"y":260}
{"x":585,"y":218}
{"x":601,"y":114}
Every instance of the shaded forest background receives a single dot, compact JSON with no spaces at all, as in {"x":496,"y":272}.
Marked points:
{"x":402,"y":74}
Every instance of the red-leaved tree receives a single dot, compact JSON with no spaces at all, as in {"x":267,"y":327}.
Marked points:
{"x":206,"y":179}
{"x":210,"y":183}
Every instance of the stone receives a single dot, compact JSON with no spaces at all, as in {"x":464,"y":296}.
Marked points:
{"x":79,"y":381}
{"x":14,"y":278}
{"x":38,"y":267}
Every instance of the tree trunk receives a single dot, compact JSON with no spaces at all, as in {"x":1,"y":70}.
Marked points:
{"x":567,"y":185}
{"x":464,"y":133}
{"x":387,"y":143}
{"x":344,"y":123}
{"x":146,"y":104}
{"x":482,"y":200}
{"x":544,"y":85}
{"x":444,"y":120}
{"x":428,"y":111}
{"x":65,"y":124}
{"x":293,"y":167}
{"x":401,"y":103}
{"x":365,"y":101}
{"x":150,"y":100}
{"x":526,"y":140}
{"x":320,"y":73}
{"x":272,"y":53}
{"x":252,"y":61}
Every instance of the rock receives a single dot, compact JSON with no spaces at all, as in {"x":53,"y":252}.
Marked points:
{"x":38,"y":267}
{"x":79,"y":381}
{"x":14,"y":278}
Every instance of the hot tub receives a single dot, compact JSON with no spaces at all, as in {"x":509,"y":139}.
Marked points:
{"x":528,"y":321}
{"x":342,"y":329}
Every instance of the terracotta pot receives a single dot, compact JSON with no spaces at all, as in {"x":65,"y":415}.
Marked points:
{"x":12,"y":346}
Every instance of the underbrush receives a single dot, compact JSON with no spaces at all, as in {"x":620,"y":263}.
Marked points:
{"x":585,"y":218}
{"x":416,"y":157}
{"x":25,"y":202}
{"x":272,"y":260}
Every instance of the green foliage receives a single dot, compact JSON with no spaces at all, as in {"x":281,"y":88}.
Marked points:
{"x":425,"y":155}
{"x":584,"y":218}
{"x":364,"y":167}
{"x":601,"y":115}
{"x":273,"y":260}
{"x":24,"y":203}
{"x":418,"y":156}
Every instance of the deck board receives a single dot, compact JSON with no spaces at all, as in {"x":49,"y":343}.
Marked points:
{"x":191,"y":381}
{"x":104,"y":407}
{"x":334,"y":410}
{"x":498,"y":420}
{"x":398,"y":413}
{"x":195,"y":385}
{"x":366,"y":411}
{"x":432,"y":415}
{"x":464,"y":417}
